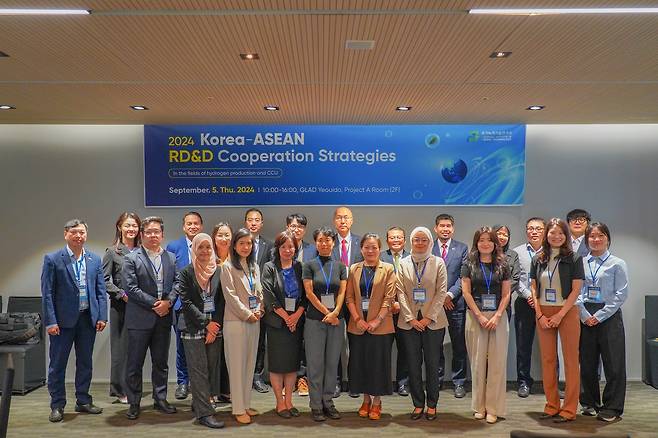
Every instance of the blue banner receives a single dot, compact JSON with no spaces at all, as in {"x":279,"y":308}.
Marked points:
{"x":247,"y":165}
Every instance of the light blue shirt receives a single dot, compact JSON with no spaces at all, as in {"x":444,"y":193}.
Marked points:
{"x":80,"y":273}
{"x":612,"y":277}
{"x":526,"y":252}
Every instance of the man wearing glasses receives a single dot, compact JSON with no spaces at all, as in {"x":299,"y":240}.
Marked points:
{"x":578,"y":220}
{"x":296,"y":223}
{"x":524,"y":314}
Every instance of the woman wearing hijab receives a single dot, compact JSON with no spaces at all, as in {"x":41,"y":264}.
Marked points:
{"x":240,"y":278}
{"x":503,"y":234}
{"x":370,"y":331}
{"x":421,"y":289}
{"x":486,"y":289}
{"x":200,"y":291}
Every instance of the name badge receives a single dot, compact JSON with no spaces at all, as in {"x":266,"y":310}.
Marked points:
{"x":551,"y":296}
{"x":253,"y":303}
{"x":594,"y":293}
{"x":489,"y":302}
{"x":365,"y":303}
{"x":328,"y":301}
{"x":83,"y":291}
{"x":420,"y":294}
{"x":208,"y":305}
{"x":290,"y":304}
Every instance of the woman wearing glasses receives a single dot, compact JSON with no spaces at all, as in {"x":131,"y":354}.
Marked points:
{"x":421,"y":289}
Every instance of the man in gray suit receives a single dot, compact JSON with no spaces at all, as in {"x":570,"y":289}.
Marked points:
{"x":149,"y":277}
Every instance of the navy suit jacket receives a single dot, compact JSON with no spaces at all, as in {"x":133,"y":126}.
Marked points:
{"x":142,"y":289}
{"x":181,"y":251}
{"x":387,"y":256}
{"x":264,"y":252}
{"x":309,"y":252}
{"x":457,"y":255}
{"x":355,"y":250}
{"x":60,"y":293}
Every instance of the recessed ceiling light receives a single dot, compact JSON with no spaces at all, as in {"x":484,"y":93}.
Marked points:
{"x":249,"y":56}
{"x":7,"y":107}
{"x":5,"y":11}
{"x":535,"y":107}
{"x":271,"y":108}
{"x":139,"y":107}
{"x":403,"y":108}
{"x":498,"y":55}
{"x":557,"y":11}
{"x":3,"y":55}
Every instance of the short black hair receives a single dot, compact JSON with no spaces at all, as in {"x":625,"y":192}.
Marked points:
{"x":537,"y":219}
{"x":74,"y":223}
{"x":324,"y":231}
{"x":444,"y":217}
{"x":301,"y":219}
{"x":578,"y":212}
{"x":251,"y":210}
{"x":193,"y":213}
{"x":151,"y":219}
{"x":396,"y":228}
{"x":602,"y":228}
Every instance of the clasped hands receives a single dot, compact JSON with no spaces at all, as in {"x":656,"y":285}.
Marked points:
{"x":161,"y":307}
{"x":489,"y":323}
{"x":369,"y":326}
{"x":212,"y":330}
{"x":331,"y":318}
{"x":420,"y":325}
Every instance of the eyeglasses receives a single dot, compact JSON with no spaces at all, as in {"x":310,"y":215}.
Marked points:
{"x":537,"y":229}
{"x":579,"y":220}
{"x":420,"y":240}
{"x":152,"y":233}
{"x":296,"y":227}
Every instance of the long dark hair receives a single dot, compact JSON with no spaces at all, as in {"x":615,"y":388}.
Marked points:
{"x":117,"y":227}
{"x":498,"y":260}
{"x":215,"y":230}
{"x":235,"y":257}
{"x":565,"y":249}
{"x":497,"y":228}
{"x":280,"y":239}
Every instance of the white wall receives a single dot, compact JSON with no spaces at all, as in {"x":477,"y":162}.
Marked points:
{"x":50,"y":173}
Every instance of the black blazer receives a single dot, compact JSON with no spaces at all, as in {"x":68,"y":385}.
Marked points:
{"x":112,"y":265}
{"x":139,"y":280}
{"x":187,"y":288}
{"x":274,"y":292}
{"x":570,"y":268}
{"x":264,"y":252}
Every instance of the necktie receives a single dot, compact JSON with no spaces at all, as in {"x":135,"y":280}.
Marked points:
{"x":444,"y":251}
{"x":343,"y":253}
{"x":396,"y":262}
{"x":256,"y":249}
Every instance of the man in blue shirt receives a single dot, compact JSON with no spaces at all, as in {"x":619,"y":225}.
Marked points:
{"x":75,"y":308}
{"x":192,"y":225}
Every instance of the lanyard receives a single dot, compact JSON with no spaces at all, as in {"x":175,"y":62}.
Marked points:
{"x":487,"y":281}
{"x":77,"y":268}
{"x":250,"y":279}
{"x":595,"y":273}
{"x":552,"y":273}
{"x":419,"y":276}
{"x":326,"y":279}
{"x":368,"y":282}
{"x":157,"y":270}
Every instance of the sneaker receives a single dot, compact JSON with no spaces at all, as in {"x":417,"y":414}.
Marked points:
{"x":608,"y":417}
{"x":588,"y":411}
{"x":302,"y":387}
{"x":524,"y":390}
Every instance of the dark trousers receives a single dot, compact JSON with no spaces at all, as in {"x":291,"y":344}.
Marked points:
{"x":202,"y":361}
{"x":606,"y":341}
{"x":401,"y":368}
{"x":260,"y":353}
{"x":157,"y":340}
{"x":82,"y":336}
{"x":118,"y":352}
{"x":181,"y":363}
{"x":525,"y":326}
{"x":423,"y":346}
{"x":457,"y":330}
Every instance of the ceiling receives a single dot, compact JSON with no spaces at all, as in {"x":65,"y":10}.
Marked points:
{"x":181,"y":59}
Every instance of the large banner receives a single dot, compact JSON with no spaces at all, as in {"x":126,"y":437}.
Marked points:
{"x":250,"y":165}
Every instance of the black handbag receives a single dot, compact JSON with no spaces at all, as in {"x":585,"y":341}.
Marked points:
{"x":20,"y":328}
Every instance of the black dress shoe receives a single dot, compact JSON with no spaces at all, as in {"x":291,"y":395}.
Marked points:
{"x":354,"y":394}
{"x":430,"y":416}
{"x":211,"y":422}
{"x":133,"y":412}
{"x":545,"y":416}
{"x":88,"y":408}
{"x":260,"y":386}
{"x":524,"y":390}
{"x":416,"y":414}
{"x":337,"y":391}
{"x":181,"y":391}
{"x":332,"y":412}
{"x":164,"y":406}
{"x":460,"y":391}
{"x":561,"y":419}
{"x":284,"y":414}
{"x":317,"y":415}
{"x":403,"y":390}
{"x":223,"y":398}
{"x":56,"y":415}
{"x":294,"y":412}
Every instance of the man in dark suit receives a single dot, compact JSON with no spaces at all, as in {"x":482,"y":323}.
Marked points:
{"x":253,"y":221}
{"x":75,"y":308}
{"x":578,"y":220}
{"x":149,"y":277}
{"x":347,"y":249}
{"x":454,"y":254}
{"x":396,"y":252}
{"x":181,"y":248}
{"x":296,"y":224}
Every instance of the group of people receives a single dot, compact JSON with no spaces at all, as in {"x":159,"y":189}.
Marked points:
{"x":232,"y":295}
